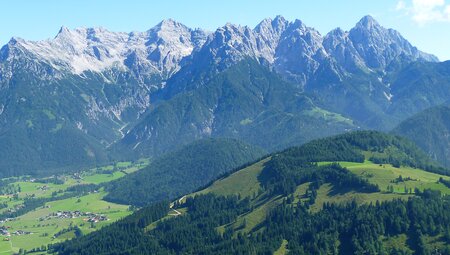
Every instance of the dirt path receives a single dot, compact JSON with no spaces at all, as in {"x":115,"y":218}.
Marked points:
{"x":177,"y":213}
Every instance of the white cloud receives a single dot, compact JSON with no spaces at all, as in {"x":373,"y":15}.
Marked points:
{"x":425,"y":11}
{"x":401,"y":5}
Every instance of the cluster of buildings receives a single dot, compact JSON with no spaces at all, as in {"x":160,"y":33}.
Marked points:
{"x":97,"y":218}
{"x":5,"y":231}
{"x":89,"y":217}
{"x":21,"y":232}
{"x":15,"y":209}
{"x":43,"y":188}
{"x":6,"y":220}
{"x":77,"y":176}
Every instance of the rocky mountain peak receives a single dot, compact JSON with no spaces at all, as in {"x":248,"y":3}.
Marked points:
{"x":229,"y":44}
{"x":168,"y":27}
{"x":63,"y":30}
{"x":279,"y":19}
{"x":169,"y":23}
{"x":298,"y":24}
{"x":368,"y":22}
{"x":337,"y":32}
{"x":277,"y":24}
{"x":370,"y":45}
{"x":167,"y":44}
{"x":233,"y":30}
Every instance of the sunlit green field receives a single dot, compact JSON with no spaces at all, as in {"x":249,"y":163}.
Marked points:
{"x":384,"y":175}
{"x":101,"y":178}
{"x":245,"y":183}
{"x":42,"y":228}
{"x":43,"y":231}
{"x":283,"y":248}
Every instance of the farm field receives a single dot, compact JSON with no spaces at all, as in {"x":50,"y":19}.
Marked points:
{"x":43,"y":230}
{"x":62,"y":215}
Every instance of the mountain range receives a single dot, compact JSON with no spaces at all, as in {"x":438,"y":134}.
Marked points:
{"x":89,"y":94}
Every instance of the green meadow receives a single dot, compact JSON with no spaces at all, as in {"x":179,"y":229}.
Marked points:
{"x":245,"y":183}
{"x":385,"y":175}
{"x":45,"y":229}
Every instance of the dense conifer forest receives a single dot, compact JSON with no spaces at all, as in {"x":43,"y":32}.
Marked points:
{"x":337,"y":229}
{"x":205,"y":226}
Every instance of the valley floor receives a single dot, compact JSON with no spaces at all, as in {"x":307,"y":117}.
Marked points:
{"x":62,"y":213}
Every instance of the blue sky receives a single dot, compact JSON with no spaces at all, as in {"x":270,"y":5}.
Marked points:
{"x":426,"y":23}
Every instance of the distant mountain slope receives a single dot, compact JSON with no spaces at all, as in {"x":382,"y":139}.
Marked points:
{"x":63,"y":101}
{"x":297,"y":201}
{"x":182,"y":171}
{"x":43,"y":150}
{"x":419,"y":86}
{"x":430,"y":130}
{"x":247,"y":102}
{"x":48,"y":126}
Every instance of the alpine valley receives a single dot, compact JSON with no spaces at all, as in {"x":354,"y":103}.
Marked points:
{"x":237,"y":141}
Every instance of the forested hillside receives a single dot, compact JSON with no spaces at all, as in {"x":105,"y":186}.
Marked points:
{"x":375,"y":146}
{"x":348,"y":229}
{"x":283,"y":204}
{"x":247,"y":102}
{"x":182,"y":171}
{"x":430,"y":130}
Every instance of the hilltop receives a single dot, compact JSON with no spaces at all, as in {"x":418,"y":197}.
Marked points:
{"x":354,"y":190}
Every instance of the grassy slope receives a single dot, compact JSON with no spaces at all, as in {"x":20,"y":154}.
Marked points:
{"x":245,"y":183}
{"x":327,"y":194}
{"x":283,"y":248}
{"x":399,"y":241}
{"x":383,"y":175}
